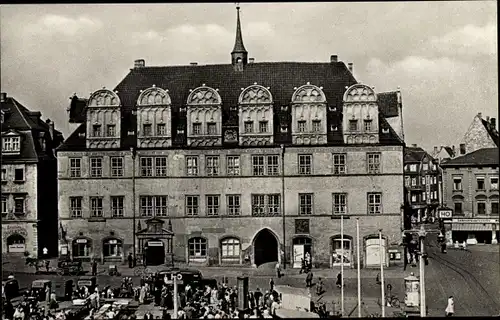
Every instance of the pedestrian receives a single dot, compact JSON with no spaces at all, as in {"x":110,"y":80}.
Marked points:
{"x":302,"y":266}
{"x":94,"y":267}
{"x":47,"y":264}
{"x":130,"y":259}
{"x":271,"y":285}
{"x":450,"y":308}
{"x":278,"y":270}
{"x":319,"y":287}
{"x":339,"y":280}
{"x":309,"y":279}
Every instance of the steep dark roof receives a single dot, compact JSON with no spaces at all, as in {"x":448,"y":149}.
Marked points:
{"x":282,"y":78}
{"x":481,"y":157}
{"x":491,"y":131}
{"x":388,"y":103}
{"x":414,"y":154}
{"x":450,"y":151}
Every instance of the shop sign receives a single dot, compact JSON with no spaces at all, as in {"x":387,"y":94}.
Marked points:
{"x":113,"y":242}
{"x":81,"y":240}
{"x":155,"y":244}
{"x":475,"y":220}
{"x":445,"y":213}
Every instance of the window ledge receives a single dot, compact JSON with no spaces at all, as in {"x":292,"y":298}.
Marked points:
{"x":97,"y":219}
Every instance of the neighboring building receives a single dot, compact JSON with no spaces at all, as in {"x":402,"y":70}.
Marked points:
{"x":29,"y":180}
{"x":470,"y":186}
{"x":422,"y":179}
{"x":233,"y":164}
{"x":443,"y":153}
{"x":480,"y":135}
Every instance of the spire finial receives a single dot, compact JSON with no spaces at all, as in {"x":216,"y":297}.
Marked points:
{"x":239,"y":52}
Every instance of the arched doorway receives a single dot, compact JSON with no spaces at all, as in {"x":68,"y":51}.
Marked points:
{"x":16,"y":243}
{"x":265,"y":247}
{"x":301,"y":246}
{"x":154,"y":252}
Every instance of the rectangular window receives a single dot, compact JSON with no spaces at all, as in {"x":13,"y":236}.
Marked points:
{"x":11,"y":144}
{"x":233,"y":205}
{"x":262,"y":126}
{"x":19,"y":174}
{"x":368,"y":125}
{"x":273,"y":204}
{"x":424,"y":196}
{"x":413,"y":167}
{"x":425,"y":166}
{"x":494,"y":183}
{"x":212,"y":205}
{"x":480,"y":183}
{"x":272,"y":165}
{"x":146,"y":130}
{"x":494,"y":208}
{"x":95,"y":206}
{"x":458,"y":208}
{"x":161,"y":166}
{"x":192,"y":165}
{"x":161,"y":129}
{"x":117,"y":206}
{"x":305,"y":204}
{"x":339,"y":203}
{"x":111,"y":130}
{"x":422,"y":180}
{"x":316,"y":125}
{"x":192,"y":205}
{"x":457,"y":183}
{"x":258,"y":204}
{"x":5,"y":207}
{"x":481,"y":208}
{"x":146,"y":206}
{"x":75,"y":207}
{"x":375,"y":203}
{"x":413,"y":181}
{"x":211,"y":128}
{"x":96,"y":130}
{"x":196,"y":128}
{"x":353,"y":125}
{"x":19,"y":205}
{"x":116,"y":166}
{"x":160,"y":206}
{"x":4,"y":174}
{"x":407,"y":181}
{"x":414,"y":197}
{"x":75,"y":167}
{"x":248,"y":126}
{"x":305,"y":164}
{"x":96,"y":167}
{"x":146,"y":166}
{"x":373,"y":163}
{"x":212,"y":165}
{"x":339,"y":163}
{"x":258,"y":165}
{"x":233,"y":165}
{"x":301,"y":126}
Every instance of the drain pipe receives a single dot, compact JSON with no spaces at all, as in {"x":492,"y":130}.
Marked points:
{"x":283,"y":201}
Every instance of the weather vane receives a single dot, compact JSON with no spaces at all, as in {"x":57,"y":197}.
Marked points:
{"x":237,"y":5}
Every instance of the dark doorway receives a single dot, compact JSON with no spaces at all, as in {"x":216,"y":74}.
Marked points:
{"x":155,"y":253}
{"x":265,"y":247}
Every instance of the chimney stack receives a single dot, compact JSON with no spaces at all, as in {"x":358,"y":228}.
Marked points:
{"x":3,"y":96}
{"x":453,"y":150}
{"x":140,"y":63}
{"x":51,"y":128}
{"x":462,"y":148}
{"x":350,"y":66}
{"x":480,"y":115}
{"x":493,"y":123}
{"x":251,"y":60}
{"x":193,"y":64}
{"x":435,"y":150}
{"x":334,"y":58}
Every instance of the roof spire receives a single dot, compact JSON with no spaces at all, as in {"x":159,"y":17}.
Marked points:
{"x":239,"y":53}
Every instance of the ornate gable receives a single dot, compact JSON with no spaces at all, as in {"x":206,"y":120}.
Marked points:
{"x":154,"y":125}
{"x":204,"y":117}
{"x":360,"y":115}
{"x":103,"y":120}
{"x":309,"y":115}
{"x":256,"y":120}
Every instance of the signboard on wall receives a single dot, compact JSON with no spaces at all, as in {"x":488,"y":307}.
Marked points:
{"x":445,"y":213}
{"x":428,"y":189}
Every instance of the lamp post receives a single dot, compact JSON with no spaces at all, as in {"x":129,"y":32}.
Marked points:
{"x":283,"y":201}
{"x":359,"y":267}
{"x":132,"y":150}
{"x":342,"y":265}
{"x":382,"y":248}
{"x":421,"y":234}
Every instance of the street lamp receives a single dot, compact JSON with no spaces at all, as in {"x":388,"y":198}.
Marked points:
{"x":133,"y":151}
{"x":282,"y":146}
{"x":421,"y":235}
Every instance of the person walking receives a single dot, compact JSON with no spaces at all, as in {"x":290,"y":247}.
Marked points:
{"x":94,"y":267}
{"x":339,"y":280}
{"x":271,"y":285}
{"x":130,"y":260}
{"x":450,"y":308}
{"x":278,"y":270}
{"x":309,"y":278}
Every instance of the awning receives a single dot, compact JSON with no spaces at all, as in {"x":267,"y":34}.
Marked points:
{"x":471,"y":227}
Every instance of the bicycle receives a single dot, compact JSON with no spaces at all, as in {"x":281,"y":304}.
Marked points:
{"x":392,"y":301}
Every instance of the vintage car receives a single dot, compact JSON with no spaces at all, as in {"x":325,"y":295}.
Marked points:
{"x":39,"y":289}
{"x":10,"y":288}
{"x":183,"y":276}
{"x":87,"y":281}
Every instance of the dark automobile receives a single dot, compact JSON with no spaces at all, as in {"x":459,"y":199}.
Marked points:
{"x":183,"y":276}
{"x":10,"y":288}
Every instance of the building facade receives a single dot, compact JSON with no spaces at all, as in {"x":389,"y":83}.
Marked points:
{"x":244,"y":163}
{"x":422,"y":181}
{"x":29,"y":181}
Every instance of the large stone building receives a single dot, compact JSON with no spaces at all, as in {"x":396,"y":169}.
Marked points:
{"x":29,"y":181}
{"x":242,"y":163}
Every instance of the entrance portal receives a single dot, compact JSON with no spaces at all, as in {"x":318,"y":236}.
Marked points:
{"x":265,"y":246}
{"x":155,"y":253}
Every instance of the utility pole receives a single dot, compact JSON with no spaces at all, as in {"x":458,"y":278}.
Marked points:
{"x":382,"y":256}
{"x":132,"y":150}
{"x":359,"y":267}
{"x":342,"y":266}
{"x":422,"y":235}
{"x":283,"y":201}
{"x":176,"y":307}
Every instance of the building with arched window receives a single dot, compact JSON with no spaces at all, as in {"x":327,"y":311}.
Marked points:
{"x":237,"y":163}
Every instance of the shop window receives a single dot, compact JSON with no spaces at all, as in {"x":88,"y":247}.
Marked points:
{"x":81,"y":248}
{"x":112,"y":248}
{"x":198,"y":248}
{"x":16,"y":243}
{"x":230,"y":248}
{"x":339,"y":251}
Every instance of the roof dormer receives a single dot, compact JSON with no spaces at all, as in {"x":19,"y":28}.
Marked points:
{"x":256,"y":120}
{"x":204,"y":117}
{"x":11,"y":143}
{"x":309,"y":118}
{"x":360,"y":115}
{"x":103,"y":120}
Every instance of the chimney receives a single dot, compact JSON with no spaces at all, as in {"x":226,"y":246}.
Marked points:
{"x":480,"y":115}
{"x":193,"y":64}
{"x":51,"y":128}
{"x":487,"y":118}
{"x":462,"y":148}
{"x":3,"y":96}
{"x":493,"y":123}
{"x":251,"y":60}
{"x":334,"y":58}
{"x":453,"y":149}
{"x":350,"y":66}
{"x":414,"y":145}
{"x":140,"y":63}
{"x":435,"y":150}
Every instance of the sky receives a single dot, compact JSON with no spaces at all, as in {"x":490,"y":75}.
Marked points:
{"x":442,"y":55}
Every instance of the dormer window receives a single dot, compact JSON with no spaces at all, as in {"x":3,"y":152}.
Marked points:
{"x":196,"y":128}
{"x":111,"y":130}
{"x":11,"y":144}
{"x":316,"y":125}
{"x":353,"y":125}
{"x":211,"y":128}
{"x":248,"y":126}
{"x":146,"y":130}
{"x":96,"y":130}
{"x":368,"y":125}
{"x":301,"y":126}
{"x":160,"y":129}
{"x":262,"y":126}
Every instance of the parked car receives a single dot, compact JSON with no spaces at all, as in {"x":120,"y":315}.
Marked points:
{"x":10,"y":288}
